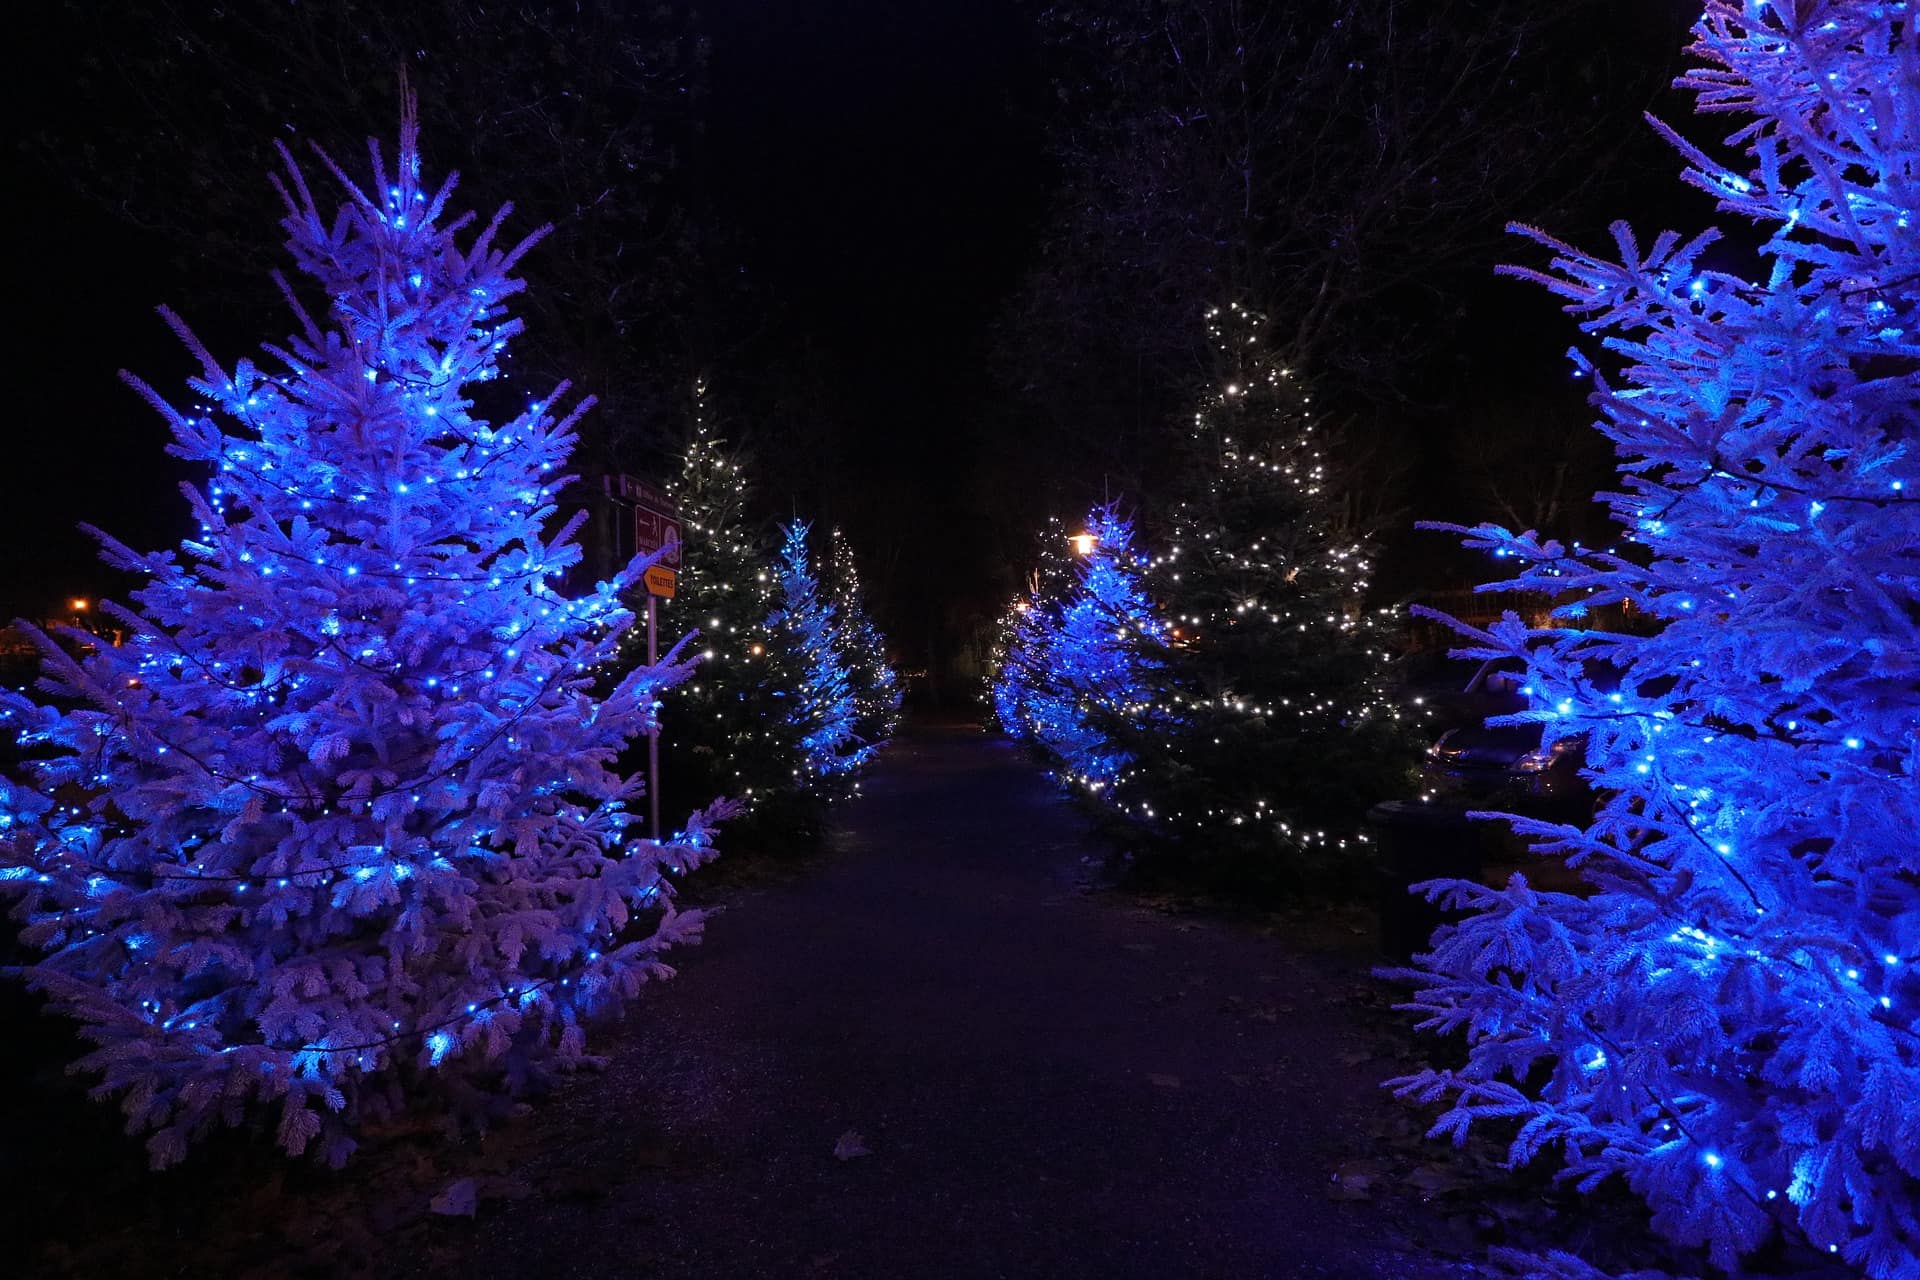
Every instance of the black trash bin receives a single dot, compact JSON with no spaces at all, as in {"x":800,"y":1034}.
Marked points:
{"x":1418,"y":842}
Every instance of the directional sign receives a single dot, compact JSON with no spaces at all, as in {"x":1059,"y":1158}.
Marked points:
{"x":647,"y":520}
{"x":660,"y":581}
{"x":651,"y":515}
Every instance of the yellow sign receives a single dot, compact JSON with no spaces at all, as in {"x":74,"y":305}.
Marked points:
{"x":659,"y":580}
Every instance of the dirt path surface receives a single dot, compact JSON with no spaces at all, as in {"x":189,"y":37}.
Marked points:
{"x":1049,"y":1083}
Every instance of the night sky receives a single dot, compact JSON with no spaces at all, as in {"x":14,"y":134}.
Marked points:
{"x":892,"y":178}
{"x":887,"y":168}
{"x":881,"y":159}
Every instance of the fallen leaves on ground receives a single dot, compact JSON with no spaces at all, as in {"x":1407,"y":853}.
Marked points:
{"x":460,"y":1199}
{"x":463,"y":1197}
{"x":1356,"y":1179}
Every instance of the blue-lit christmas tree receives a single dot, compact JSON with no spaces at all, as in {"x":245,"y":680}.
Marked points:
{"x":1008,"y":682}
{"x":826,"y":713}
{"x":1077,"y":668}
{"x":876,"y":687}
{"x":340,"y":812}
{"x":1016,"y":665}
{"x":1731,"y":1021}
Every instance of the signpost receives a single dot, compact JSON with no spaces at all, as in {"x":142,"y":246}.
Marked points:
{"x":660,"y":582}
{"x":653,"y":519}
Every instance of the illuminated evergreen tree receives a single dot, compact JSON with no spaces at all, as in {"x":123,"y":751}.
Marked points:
{"x":1010,"y":677}
{"x":825,"y":714}
{"x":1005,"y":687}
{"x":1731,"y":1021}
{"x":1276,"y":729}
{"x":875,"y":686}
{"x":340,"y":811}
{"x":1083,"y":662}
{"x":1016,"y":665}
{"x":729,"y":730}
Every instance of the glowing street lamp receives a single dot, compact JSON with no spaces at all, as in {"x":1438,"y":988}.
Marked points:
{"x":1083,"y":544}
{"x":78,"y":604}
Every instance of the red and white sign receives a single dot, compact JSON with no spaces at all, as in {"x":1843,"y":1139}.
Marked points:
{"x":653,"y":518}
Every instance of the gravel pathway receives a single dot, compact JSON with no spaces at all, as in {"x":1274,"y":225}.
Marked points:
{"x":1046,"y":1082}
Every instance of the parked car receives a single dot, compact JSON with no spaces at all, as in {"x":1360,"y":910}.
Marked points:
{"x":1506,"y":766}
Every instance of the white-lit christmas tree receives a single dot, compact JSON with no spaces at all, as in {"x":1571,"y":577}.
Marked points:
{"x":876,"y":688}
{"x":826,"y":713}
{"x":1731,"y":1022}
{"x":728,"y":729}
{"x":340,"y":812}
{"x":1274,"y":727}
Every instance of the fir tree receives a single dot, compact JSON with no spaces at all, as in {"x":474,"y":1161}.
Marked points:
{"x":728,"y":730}
{"x":1731,"y":1022}
{"x":825,"y":715}
{"x":1017,"y":665}
{"x":1274,"y":729}
{"x":1009,"y":678}
{"x":1083,"y":662}
{"x":340,"y":809}
{"x":876,"y":689}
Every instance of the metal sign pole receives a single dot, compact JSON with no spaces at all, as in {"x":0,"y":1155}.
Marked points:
{"x":653,"y":733}
{"x":655,"y":521}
